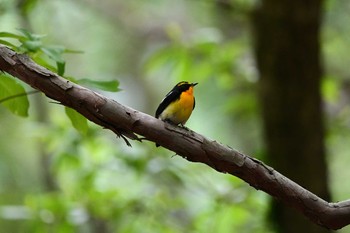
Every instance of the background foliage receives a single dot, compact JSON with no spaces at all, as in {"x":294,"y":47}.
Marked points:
{"x":59,"y":178}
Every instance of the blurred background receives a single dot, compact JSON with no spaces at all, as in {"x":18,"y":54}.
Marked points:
{"x":56,"y":179}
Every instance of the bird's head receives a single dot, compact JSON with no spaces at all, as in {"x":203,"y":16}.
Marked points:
{"x":185,"y":86}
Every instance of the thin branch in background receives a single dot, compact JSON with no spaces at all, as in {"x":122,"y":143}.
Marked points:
{"x":19,"y":95}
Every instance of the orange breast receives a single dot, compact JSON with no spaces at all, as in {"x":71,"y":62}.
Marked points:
{"x":179,"y":111}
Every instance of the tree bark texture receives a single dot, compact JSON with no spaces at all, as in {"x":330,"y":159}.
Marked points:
{"x":127,"y":122}
{"x":288,"y":57}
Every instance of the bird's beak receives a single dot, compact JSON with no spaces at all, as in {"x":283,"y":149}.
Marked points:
{"x":194,"y":84}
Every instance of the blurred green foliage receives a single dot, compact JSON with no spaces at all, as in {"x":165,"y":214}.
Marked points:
{"x":82,"y":179}
{"x":9,"y":87}
{"x":32,"y":44}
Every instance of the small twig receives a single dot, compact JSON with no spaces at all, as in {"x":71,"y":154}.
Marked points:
{"x":18,"y":95}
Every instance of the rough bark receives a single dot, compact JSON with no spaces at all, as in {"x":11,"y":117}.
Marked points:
{"x":127,"y":122}
{"x":288,"y":57}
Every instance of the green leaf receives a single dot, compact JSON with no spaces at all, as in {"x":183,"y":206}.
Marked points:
{"x":10,"y":35}
{"x":112,"y":85}
{"x":78,"y":121}
{"x":55,"y":53}
{"x":44,"y":62}
{"x":73,"y":51}
{"x":4,"y":42}
{"x":31,"y":45}
{"x":61,"y":66}
{"x":30,"y":42}
{"x":10,"y":87}
{"x":29,"y":35}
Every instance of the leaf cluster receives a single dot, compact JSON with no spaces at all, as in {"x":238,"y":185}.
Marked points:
{"x":13,"y":95}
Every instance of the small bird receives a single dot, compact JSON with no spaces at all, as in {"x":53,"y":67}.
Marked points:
{"x":177,"y":105}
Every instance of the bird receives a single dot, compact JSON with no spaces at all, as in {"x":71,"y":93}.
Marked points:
{"x":177,"y":106}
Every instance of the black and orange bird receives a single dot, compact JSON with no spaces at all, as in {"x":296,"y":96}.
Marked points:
{"x":178,"y":104}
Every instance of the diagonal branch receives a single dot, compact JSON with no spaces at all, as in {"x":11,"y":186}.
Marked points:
{"x":127,"y":122}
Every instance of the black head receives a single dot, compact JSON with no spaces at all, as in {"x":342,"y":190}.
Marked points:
{"x":184,"y":86}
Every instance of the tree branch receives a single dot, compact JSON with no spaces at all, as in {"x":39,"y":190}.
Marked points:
{"x":127,"y":122}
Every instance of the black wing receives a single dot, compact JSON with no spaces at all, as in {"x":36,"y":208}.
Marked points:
{"x":169,"y":98}
{"x":194,"y":103}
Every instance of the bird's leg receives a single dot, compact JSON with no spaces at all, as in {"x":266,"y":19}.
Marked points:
{"x":169,"y":121}
{"x":184,"y":127}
